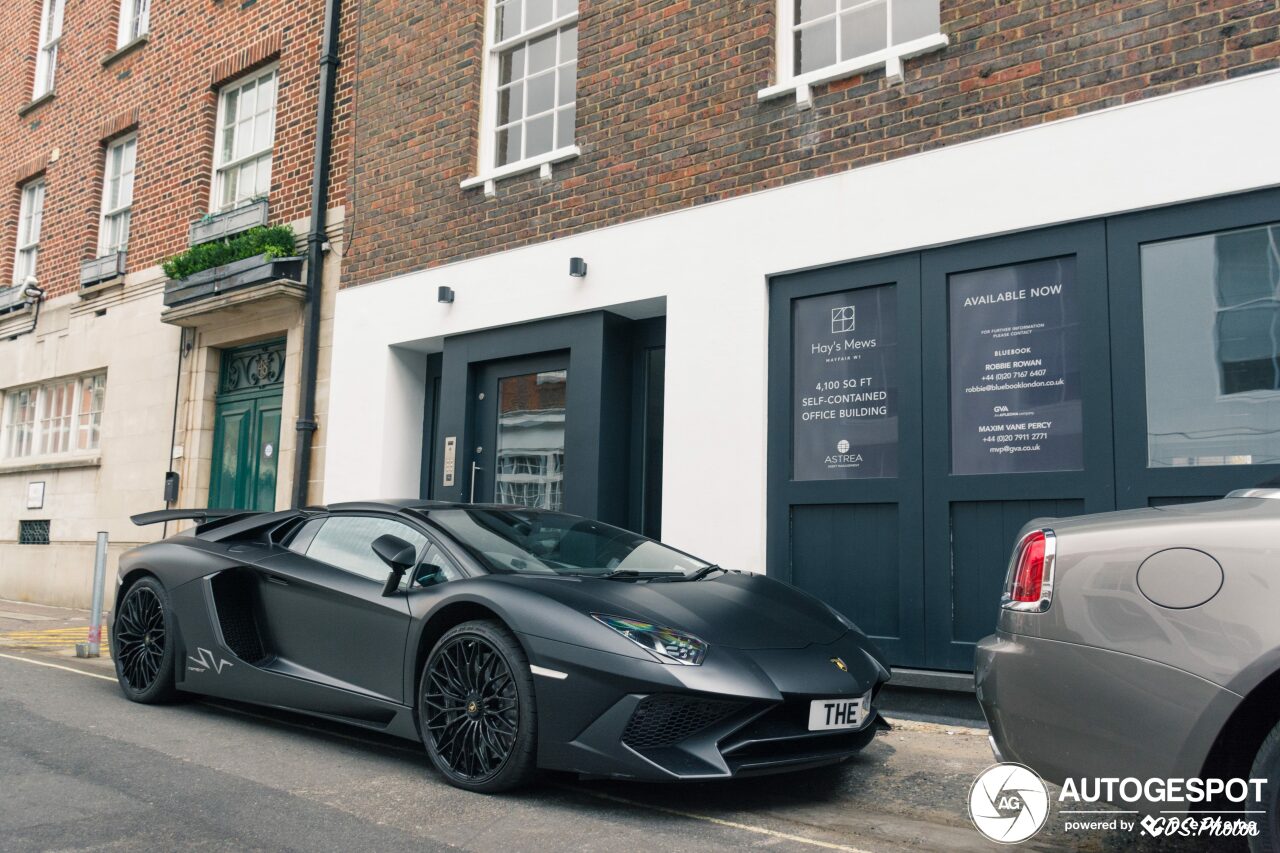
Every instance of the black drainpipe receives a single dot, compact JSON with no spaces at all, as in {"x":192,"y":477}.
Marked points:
{"x":316,"y":239}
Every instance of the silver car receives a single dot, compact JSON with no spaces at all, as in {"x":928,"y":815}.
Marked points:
{"x":1145,"y":644}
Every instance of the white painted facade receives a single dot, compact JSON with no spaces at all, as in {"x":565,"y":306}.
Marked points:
{"x":706,"y":268}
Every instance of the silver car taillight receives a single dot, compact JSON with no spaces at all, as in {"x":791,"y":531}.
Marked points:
{"x":1029,"y":584}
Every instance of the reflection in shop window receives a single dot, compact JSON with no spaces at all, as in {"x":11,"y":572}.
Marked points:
{"x":530,"y":459}
{"x":1211,"y":317}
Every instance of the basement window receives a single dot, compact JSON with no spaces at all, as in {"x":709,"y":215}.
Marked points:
{"x":33,"y":532}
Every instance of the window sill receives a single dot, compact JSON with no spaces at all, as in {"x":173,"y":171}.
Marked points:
{"x":36,"y":104}
{"x":50,"y":463}
{"x":890,"y":58}
{"x":542,"y":162}
{"x":125,"y":49}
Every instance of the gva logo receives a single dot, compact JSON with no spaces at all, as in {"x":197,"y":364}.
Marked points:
{"x":1009,"y":803}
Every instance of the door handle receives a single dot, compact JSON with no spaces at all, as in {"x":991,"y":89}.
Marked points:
{"x":474,"y":469}
{"x":276,"y":579}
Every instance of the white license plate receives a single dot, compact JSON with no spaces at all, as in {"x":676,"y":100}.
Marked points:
{"x":840,"y":713}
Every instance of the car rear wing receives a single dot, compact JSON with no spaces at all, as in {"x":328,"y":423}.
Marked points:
{"x":199,"y":515}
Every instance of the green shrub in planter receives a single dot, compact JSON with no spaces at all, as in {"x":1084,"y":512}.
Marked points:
{"x":276,"y":241}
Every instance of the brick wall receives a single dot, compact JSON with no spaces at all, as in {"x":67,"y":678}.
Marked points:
{"x":164,"y":90}
{"x":668,"y":115}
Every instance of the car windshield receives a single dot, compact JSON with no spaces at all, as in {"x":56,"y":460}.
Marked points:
{"x":538,"y":542}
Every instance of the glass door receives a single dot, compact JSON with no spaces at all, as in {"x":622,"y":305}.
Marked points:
{"x":518,"y":455}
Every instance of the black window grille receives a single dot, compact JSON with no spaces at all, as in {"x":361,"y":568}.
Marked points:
{"x":33,"y":532}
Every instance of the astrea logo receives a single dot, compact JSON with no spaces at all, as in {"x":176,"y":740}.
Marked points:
{"x":1009,"y":803}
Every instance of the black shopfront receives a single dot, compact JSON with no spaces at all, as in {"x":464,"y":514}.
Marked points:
{"x":924,"y":406}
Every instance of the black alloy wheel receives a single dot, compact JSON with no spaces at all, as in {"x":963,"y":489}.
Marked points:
{"x":142,"y":643}
{"x":476,"y":708}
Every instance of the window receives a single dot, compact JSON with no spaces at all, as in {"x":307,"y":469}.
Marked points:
{"x":531,"y":68}
{"x":135,"y":17}
{"x":33,"y":532}
{"x":30,"y":215}
{"x":821,"y":40}
{"x":117,"y":196}
{"x":59,"y":417}
{"x":246,"y":132}
{"x":1211,"y":331}
{"x":47,"y":57}
{"x":347,"y":542}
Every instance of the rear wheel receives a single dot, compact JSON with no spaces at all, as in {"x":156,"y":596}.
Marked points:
{"x":476,"y":708}
{"x":1267,"y":766}
{"x":142,"y":643}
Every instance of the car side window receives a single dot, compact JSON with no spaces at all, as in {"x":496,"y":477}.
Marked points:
{"x":435,"y":567}
{"x":346,"y":541}
{"x":301,"y":540}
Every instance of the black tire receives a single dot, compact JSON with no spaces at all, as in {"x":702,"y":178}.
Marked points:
{"x":476,"y":709}
{"x":1267,"y":766}
{"x":143,"y":643}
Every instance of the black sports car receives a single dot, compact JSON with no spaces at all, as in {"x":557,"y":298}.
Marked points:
{"x":504,"y":638}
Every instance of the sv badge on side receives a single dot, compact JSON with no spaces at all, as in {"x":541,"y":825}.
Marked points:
{"x":206,"y":661}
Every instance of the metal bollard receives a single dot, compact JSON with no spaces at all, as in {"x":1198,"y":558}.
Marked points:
{"x":92,"y":649}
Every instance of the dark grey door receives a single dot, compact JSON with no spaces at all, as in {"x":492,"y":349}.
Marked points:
{"x":845,"y":508}
{"x":519,"y":453}
{"x":1018,"y":398}
{"x":1195,"y":296}
{"x":316,"y":604}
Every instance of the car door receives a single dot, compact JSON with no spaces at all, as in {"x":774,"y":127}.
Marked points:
{"x":326,"y":618}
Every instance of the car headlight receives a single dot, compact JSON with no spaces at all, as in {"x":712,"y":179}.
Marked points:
{"x":666,"y":644}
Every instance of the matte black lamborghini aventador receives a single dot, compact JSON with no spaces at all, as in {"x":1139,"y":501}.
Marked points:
{"x":504,"y":638}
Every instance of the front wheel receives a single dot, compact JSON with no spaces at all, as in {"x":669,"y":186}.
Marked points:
{"x":476,"y":708}
{"x":142,"y":643}
{"x":1267,"y":766}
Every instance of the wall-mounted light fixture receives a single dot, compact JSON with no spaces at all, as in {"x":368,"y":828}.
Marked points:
{"x":444,"y":294}
{"x":577,"y":268}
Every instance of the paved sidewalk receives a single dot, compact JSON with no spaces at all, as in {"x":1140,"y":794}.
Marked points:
{"x":49,"y":630}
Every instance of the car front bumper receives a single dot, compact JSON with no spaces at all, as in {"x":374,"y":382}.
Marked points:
{"x":742,"y":712}
{"x":1072,"y":711}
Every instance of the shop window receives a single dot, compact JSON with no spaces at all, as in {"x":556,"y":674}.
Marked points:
{"x":1211,"y":318}
{"x":54,"y":419}
{"x":822,"y":40}
{"x":245,"y":136}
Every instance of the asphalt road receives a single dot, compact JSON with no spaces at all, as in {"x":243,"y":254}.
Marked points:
{"x":81,"y":768}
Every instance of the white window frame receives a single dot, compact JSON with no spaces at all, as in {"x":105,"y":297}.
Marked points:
{"x":889,"y":58}
{"x":75,"y":434}
{"x":50,"y":35}
{"x":219,"y":168}
{"x":486,"y":172}
{"x":30,"y":220}
{"x":122,"y":211}
{"x":135,"y":21}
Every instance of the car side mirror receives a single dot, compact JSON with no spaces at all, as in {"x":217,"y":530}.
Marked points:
{"x":399,"y":556}
{"x":428,"y":574}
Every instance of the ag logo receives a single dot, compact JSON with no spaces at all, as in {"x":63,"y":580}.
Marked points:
{"x":1009,"y":803}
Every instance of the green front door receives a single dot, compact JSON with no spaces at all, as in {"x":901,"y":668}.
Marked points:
{"x":246,"y":434}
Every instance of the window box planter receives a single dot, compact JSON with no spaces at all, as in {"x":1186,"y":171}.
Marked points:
{"x":13,"y":299}
{"x":236,"y":275}
{"x":222,"y":225}
{"x":102,"y":269}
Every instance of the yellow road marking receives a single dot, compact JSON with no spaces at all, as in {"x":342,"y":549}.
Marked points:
{"x":58,"y":666}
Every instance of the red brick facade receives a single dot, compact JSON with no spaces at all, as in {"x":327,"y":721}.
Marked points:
{"x":164,"y":89}
{"x":668,"y":115}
